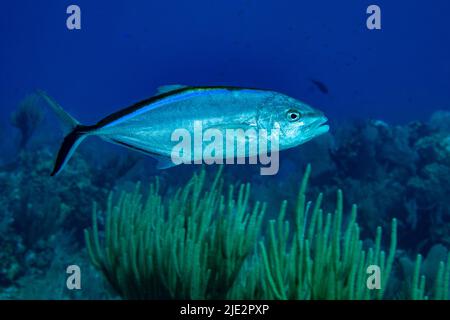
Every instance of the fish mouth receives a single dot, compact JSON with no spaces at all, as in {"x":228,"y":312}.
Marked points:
{"x":319,"y":126}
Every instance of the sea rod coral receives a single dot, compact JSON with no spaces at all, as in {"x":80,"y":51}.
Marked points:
{"x":190,"y":245}
{"x":321,"y":260}
{"x":200,"y":243}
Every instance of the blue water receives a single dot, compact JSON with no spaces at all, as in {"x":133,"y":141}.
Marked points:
{"x":395,"y":168}
{"x":124,"y":50}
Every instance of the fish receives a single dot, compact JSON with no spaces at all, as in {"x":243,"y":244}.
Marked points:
{"x":147,"y":126}
{"x":320,"y":85}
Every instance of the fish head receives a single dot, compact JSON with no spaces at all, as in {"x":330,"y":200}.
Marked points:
{"x":297,"y":121}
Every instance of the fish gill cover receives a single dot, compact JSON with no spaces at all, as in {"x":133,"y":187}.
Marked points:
{"x":362,"y":195}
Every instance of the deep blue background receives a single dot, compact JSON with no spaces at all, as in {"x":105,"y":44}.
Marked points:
{"x":127,"y":48}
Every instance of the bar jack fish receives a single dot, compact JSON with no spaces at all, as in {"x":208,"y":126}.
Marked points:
{"x":147,"y":126}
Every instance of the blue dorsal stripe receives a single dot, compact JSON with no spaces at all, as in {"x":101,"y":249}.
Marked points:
{"x":159,"y":101}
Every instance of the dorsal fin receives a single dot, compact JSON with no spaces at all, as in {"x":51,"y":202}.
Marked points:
{"x":169,"y":88}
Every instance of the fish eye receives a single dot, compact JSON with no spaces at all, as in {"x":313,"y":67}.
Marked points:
{"x":293,"y":115}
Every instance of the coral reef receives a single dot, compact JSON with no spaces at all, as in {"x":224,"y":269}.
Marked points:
{"x":441,"y":286}
{"x":190,"y":245}
{"x":37,"y":211}
{"x":324,"y":260}
{"x":400,"y":171}
{"x":194,"y":243}
{"x":390,"y":171}
{"x":26,"y":119}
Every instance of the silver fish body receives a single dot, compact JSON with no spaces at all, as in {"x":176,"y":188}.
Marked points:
{"x":151,"y":127}
{"x":148,"y":125}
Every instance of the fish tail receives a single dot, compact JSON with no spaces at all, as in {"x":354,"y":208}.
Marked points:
{"x":68,"y":147}
{"x":67,"y":120}
{"x":77,"y":133}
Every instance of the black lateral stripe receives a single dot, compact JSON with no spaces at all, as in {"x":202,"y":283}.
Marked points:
{"x":121,"y":113}
{"x":153,"y":154}
{"x":67,"y":146}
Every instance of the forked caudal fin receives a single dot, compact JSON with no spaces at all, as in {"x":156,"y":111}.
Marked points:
{"x":68,"y":147}
{"x":77,"y":133}
{"x":67,"y":120}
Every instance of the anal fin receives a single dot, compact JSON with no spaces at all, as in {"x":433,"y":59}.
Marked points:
{"x":164,"y":162}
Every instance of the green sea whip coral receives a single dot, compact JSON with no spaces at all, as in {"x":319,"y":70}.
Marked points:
{"x":200,"y":244}
{"x":190,"y":245}
{"x":441,"y":283}
{"x":323,"y":259}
